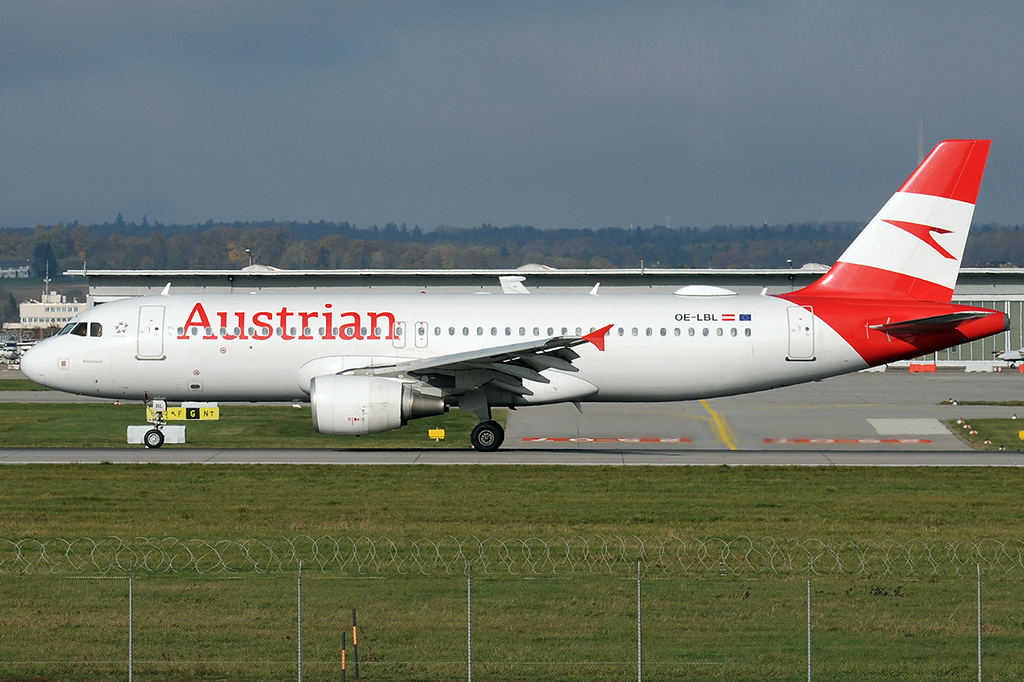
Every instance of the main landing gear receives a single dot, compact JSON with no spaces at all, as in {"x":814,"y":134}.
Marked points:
{"x":487,"y":436}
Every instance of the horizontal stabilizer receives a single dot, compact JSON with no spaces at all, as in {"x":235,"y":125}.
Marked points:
{"x":930,"y":324}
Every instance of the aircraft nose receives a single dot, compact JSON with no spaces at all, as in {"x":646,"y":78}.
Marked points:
{"x":33,"y":364}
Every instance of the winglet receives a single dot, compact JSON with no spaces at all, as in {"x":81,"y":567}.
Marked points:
{"x":597,"y":337}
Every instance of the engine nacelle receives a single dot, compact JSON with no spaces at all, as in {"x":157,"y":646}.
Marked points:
{"x":357,"y":405}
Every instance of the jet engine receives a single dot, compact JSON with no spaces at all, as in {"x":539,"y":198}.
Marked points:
{"x":357,"y":405}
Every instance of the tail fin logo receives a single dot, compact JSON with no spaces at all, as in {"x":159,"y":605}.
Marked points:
{"x":923,"y":232}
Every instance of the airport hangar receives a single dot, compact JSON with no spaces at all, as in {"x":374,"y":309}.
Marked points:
{"x":994,"y":288}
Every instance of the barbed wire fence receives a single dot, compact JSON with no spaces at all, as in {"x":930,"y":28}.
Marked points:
{"x":576,"y":555}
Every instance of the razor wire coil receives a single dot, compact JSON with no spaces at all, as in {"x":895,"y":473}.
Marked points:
{"x":576,"y":555}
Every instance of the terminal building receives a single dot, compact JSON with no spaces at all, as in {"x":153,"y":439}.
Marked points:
{"x":995,"y":288}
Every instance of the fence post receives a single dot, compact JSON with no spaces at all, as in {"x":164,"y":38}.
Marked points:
{"x":639,"y":628}
{"x":469,"y":622}
{"x":131,"y":623}
{"x":355,"y":644}
{"x":299,"y":590}
{"x":979,"y":622}
{"x":808,"y":628}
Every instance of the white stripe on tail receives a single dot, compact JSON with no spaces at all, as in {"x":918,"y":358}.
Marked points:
{"x":913,"y":247}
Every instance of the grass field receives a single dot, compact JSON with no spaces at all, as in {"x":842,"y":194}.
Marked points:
{"x":557,"y":627}
{"x":576,"y":627}
{"x":20,"y":385}
{"x":104,"y":425}
{"x":1000,"y":432}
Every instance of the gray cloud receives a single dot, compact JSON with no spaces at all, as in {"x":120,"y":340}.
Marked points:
{"x":462,"y":113}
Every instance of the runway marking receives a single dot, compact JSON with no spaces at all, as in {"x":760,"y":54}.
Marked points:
{"x":606,"y":440}
{"x":826,"y":441}
{"x":721,"y":427}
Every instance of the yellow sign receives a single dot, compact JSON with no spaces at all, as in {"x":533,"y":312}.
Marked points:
{"x":1021,"y":434}
{"x":186,"y":413}
{"x":436,"y":434}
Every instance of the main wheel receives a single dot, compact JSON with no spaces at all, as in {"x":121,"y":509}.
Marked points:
{"x":487,"y":436}
{"x":153,"y":438}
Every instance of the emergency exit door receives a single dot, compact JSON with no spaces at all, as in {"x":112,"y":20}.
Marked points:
{"x":151,"y":333}
{"x":801,"y":334}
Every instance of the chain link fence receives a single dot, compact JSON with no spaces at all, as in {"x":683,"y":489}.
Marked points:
{"x":614,"y":555}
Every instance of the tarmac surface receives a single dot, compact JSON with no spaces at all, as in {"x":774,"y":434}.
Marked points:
{"x":890,"y":418}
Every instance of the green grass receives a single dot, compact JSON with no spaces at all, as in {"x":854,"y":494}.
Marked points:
{"x":413,"y":628}
{"x":246,"y":501}
{"x":26,"y":425}
{"x":21,"y":385}
{"x":577,"y":627}
{"x":1001,"y":432}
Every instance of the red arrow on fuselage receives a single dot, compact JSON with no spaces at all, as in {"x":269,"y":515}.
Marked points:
{"x":597,"y":337}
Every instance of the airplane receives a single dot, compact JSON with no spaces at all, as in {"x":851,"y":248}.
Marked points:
{"x":368,"y":363}
{"x":1011,"y":357}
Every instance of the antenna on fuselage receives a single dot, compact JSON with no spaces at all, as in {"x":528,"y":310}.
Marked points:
{"x":167,"y":290}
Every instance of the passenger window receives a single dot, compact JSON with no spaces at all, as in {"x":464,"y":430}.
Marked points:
{"x":635,"y":332}
{"x":677,"y":331}
{"x":437,"y":331}
{"x":465,"y":331}
{"x":746,"y":332}
{"x":718,"y":331}
{"x":690,"y":331}
{"x":551,"y":331}
{"x":522,"y":331}
{"x":732,"y":332}
{"x":706,"y":331}
{"x":508,"y":331}
{"x":479,"y":331}
{"x":223,"y":331}
{"x":95,"y":329}
{"x":621,"y":331}
{"x":663,"y":331}
{"x":648,"y":331}
{"x":536,"y":331}
{"x":494,"y":331}
{"x":564,"y":331}
{"x":81,"y":329}
{"x":279,"y":331}
{"x":579,"y":332}
{"x":421,"y":331}
{"x":451,"y":331}
{"x":362,"y":330}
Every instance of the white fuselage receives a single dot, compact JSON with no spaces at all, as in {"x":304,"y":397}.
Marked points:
{"x":267,"y":347}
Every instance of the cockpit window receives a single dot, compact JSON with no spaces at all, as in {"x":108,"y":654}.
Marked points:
{"x":81,"y":329}
{"x":95,"y":329}
{"x":67,"y":328}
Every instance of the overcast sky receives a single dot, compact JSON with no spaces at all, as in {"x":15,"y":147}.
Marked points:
{"x":584,"y":114}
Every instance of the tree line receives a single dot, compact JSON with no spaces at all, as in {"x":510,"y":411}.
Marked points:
{"x":329,"y":245}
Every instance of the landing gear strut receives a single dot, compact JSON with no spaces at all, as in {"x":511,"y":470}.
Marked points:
{"x":487,"y":436}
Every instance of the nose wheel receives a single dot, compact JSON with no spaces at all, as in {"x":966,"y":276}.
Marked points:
{"x":153,"y":438}
{"x":487,"y":436}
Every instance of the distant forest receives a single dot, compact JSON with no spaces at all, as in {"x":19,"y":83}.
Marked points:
{"x":326,"y":245}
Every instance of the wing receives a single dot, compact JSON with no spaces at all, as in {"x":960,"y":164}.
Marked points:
{"x":504,"y":367}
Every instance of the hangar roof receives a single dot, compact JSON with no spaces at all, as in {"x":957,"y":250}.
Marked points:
{"x":107,"y":285}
